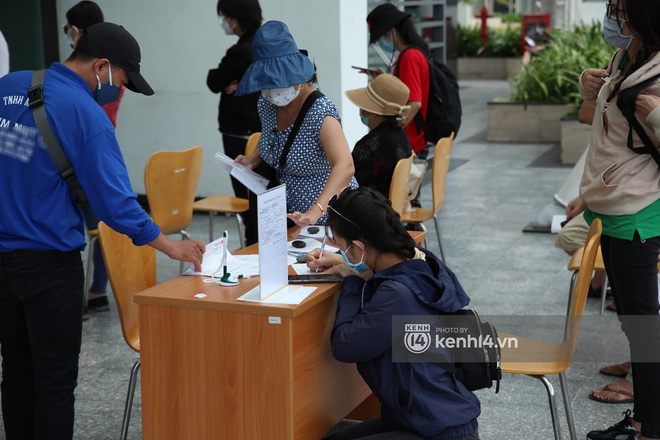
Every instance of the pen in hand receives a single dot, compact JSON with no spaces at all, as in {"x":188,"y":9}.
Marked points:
{"x":325,"y":240}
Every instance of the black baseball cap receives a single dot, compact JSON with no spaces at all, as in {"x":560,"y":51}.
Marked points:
{"x":111,"y":41}
{"x":383,"y":18}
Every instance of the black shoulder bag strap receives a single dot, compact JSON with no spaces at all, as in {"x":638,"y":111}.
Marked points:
{"x":311,"y":99}
{"x":626,"y":103}
{"x":419,"y":120}
{"x":36,"y":103}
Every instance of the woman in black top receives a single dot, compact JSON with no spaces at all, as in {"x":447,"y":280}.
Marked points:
{"x":237,"y":115}
{"x":382,"y":108}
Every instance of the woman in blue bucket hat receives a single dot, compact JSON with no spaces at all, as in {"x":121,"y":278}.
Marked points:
{"x":318,"y":163}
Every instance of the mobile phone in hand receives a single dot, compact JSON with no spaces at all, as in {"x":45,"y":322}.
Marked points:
{"x":371,"y":71}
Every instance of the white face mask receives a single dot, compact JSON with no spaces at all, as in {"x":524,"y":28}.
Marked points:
{"x":73,"y":41}
{"x":281,"y":97}
{"x":229,"y":30}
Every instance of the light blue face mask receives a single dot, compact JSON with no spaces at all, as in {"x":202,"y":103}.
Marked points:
{"x":387,"y":46}
{"x":364,"y":119}
{"x":612,"y":33}
{"x":360,"y":267}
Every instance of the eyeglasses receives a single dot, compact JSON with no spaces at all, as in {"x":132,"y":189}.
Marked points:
{"x":65,"y":28}
{"x":613,"y":12}
{"x":334,"y":199}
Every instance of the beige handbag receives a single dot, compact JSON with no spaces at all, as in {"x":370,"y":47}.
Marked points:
{"x":417,"y":172}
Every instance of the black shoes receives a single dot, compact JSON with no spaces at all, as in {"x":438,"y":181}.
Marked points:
{"x":99,"y":304}
{"x":624,"y":430}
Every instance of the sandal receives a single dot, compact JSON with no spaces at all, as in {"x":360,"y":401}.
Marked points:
{"x":628,"y":397}
{"x":611,"y":307}
{"x":616,"y":370}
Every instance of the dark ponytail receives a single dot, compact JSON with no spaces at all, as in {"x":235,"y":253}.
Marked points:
{"x":369,"y":217}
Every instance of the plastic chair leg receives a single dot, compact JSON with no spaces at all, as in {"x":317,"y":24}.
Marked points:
{"x":553,"y":407}
{"x":129,"y":400}
{"x":567,"y":405}
{"x":437,"y":231}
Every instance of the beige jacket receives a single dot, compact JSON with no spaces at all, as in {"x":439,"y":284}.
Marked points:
{"x":617,"y":181}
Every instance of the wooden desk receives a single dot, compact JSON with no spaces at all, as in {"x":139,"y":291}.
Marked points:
{"x":217,"y":368}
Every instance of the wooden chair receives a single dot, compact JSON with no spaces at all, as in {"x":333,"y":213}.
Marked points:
{"x":131,"y":269}
{"x":540,"y":359}
{"x":439,"y":181}
{"x":228,"y":204}
{"x":574,"y":266}
{"x":398,"y":185}
{"x":170,"y":179}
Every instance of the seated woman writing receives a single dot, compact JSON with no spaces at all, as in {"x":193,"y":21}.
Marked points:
{"x":386,"y":275}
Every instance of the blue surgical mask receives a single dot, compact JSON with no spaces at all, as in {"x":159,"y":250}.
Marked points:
{"x":387,"y":46}
{"x":107,"y":93}
{"x":364,"y":119}
{"x":360,"y":267}
{"x":612,"y":33}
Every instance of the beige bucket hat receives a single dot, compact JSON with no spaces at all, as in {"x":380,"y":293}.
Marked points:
{"x":386,"y":95}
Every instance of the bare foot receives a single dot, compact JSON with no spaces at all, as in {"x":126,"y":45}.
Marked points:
{"x":617,"y":370}
{"x":620,"y":391}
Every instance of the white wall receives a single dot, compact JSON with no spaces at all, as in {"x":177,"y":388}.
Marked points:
{"x":181,"y":40}
{"x":589,"y":11}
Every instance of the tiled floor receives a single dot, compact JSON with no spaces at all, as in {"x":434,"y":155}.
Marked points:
{"x":494,"y":190}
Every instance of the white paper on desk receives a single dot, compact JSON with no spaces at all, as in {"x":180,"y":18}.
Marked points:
{"x":271,"y":216}
{"x":246,"y":265}
{"x":253,"y":181}
{"x":286,"y":295}
{"x":302,"y":269}
{"x":557,"y":220}
{"x":212,"y":259}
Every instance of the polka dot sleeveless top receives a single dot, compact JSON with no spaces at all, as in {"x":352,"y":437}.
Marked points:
{"x":307,"y":169}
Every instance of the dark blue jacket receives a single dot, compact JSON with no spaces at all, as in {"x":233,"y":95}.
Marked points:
{"x":441,"y":405}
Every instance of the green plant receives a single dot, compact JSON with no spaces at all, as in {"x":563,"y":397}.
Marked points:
{"x":511,"y":18}
{"x":553,"y":74}
{"x":501,"y":42}
{"x":468,"y":41}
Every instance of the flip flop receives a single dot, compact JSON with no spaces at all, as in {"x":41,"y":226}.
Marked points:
{"x":611,"y":389}
{"x":616,"y":370}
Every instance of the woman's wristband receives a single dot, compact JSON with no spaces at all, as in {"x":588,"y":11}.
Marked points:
{"x":321,"y":208}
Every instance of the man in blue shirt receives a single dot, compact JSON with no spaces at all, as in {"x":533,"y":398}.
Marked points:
{"x":42,"y":230}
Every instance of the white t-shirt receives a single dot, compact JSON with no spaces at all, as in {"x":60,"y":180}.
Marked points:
{"x":4,"y":56}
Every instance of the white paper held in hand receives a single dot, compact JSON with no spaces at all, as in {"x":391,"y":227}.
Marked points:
{"x":253,"y":181}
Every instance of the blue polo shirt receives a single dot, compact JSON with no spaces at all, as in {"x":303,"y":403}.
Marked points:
{"x":36,"y":208}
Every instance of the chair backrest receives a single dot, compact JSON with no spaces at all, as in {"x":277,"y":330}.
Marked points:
{"x":440,"y":171}
{"x":131,"y":269}
{"x":399,"y":184}
{"x":170,"y":179}
{"x":252,"y":143}
{"x":582,"y":286}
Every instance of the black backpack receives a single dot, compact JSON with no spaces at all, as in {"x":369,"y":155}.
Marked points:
{"x":443,"y":115}
{"x":626,"y":103}
{"x":481,"y":367}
